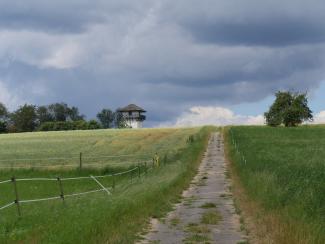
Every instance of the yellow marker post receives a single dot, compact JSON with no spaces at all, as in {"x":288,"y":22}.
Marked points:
{"x":156,"y":159}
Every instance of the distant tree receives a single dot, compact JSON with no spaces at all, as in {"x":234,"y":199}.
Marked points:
{"x":3,"y":111}
{"x":44,"y":114}
{"x":106,"y":118}
{"x":3,"y":118}
{"x":59,"y":111}
{"x":62,"y":112}
{"x":119,"y":120}
{"x":74,"y":115}
{"x":24,"y":118}
{"x":3,"y":126}
{"x":290,"y":109}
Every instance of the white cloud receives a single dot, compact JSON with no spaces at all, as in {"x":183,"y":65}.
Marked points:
{"x":209,"y":115}
{"x":10,"y":100}
{"x":44,"y":50}
{"x":64,"y":57}
{"x":319,"y":118}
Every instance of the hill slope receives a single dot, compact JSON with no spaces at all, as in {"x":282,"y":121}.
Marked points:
{"x":64,"y":147}
{"x":99,"y":217}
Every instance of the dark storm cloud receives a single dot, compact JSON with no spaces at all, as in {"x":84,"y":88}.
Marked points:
{"x":47,"y":15}
{"x":253,"y":22}
{"x":63,"y":16}
{"x":163,"y":55}
{"x":272,"y":33}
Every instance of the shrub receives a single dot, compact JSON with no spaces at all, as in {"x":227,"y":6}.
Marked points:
{"x":69,"y":125}
{"x":93,"y":125}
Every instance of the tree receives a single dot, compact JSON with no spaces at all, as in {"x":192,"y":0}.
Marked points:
{"x":74,"y":115}
{"x":44,"y":115}
{"x":106,"y":118}
{"x":62,"y":112}
{"x":119,"y":120}
{"x":290,"y":109}
{"x":24,"y":118}
{"x":3,"y":111}
{"x":59,"y":111}
{"x":3,"y":118}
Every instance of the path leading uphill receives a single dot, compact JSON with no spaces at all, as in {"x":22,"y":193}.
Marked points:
{"x":206,"y":213}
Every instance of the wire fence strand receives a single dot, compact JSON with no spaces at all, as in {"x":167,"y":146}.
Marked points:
{"x":82,"y":193}
{"x":39,"y":199}
{"x":5,"y":181}
{"x":73,"y":157}
{"x":59,"y":179}
{"x":37,"y":179}
{"x":75,"y":178}
{"x":64,"y":179}
{"x":7,"y":205}
{"x":64,"y":165}
{"x":71,"y":178}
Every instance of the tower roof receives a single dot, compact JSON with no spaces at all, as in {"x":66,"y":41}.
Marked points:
{"x":130,"y":108}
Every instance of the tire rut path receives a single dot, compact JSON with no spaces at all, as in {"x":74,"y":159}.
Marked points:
{"x":206,"y":213}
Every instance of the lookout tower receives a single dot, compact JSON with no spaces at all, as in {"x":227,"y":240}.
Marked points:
{"x":133,"y":115}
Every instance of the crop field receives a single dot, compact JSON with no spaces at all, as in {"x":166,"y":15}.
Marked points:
{"x":97,"y":217}
{"x":283,"y":171}
{"x":98,"y":147}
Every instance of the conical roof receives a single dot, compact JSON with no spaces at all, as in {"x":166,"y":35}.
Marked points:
{"x":131,"y":107}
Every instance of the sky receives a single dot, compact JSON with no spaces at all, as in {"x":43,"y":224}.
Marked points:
{"x":186,"y":62}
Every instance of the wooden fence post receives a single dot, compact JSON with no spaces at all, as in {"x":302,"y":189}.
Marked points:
{"x":80,"y":160}
{"x":61,"y":188}
{"x":139,"y":171}
{"x":13,"y":179}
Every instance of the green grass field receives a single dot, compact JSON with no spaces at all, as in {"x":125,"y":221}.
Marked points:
{"x":63,"y":147}
{"x":97,"y":217}
{"x":285,"y":175}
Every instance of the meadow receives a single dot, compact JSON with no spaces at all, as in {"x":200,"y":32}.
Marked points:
{"x":97,"y":217}
{"x":284,"y":177}
{"x":98,"y":147}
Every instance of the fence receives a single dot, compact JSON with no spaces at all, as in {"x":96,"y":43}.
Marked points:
{"x":146,"y":166}
{"x":79,"y":161}
{"x":155,"y":162}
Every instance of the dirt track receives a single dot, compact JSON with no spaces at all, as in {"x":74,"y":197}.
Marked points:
{"x":206,"y":213}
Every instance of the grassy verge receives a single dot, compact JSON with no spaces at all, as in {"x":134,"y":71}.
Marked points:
{"x":281,"y":188}
{"x":100,"y":218}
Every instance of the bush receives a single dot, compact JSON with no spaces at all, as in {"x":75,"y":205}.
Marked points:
{"x":79,"y":125}
{"x":93,"y":125}
{"x":69,"y":125}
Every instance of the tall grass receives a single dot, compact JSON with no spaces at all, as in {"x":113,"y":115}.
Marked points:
{"x":63,"y":147}
{"x":100,"y":218}
{"x":285,"y":175}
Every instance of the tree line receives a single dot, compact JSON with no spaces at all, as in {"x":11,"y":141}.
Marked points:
{"x":289,"y":109}
{"x":55,"y":117}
